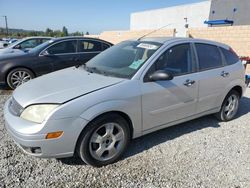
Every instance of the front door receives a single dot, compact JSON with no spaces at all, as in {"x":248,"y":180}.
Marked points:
{"x":63,"y":54}
{"x":167,"y":101}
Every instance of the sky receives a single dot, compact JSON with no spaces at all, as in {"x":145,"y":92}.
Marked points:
{"x":93,"y":16}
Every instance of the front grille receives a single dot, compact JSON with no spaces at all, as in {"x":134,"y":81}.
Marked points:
{"x":15,"y":108}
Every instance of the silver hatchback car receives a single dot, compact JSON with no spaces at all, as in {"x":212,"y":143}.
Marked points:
{"x":129,"y":90}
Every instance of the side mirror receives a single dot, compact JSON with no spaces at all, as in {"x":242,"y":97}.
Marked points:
{"x":47,"y":54}
{"x":160,"y":75}
{"x":18,"y":46}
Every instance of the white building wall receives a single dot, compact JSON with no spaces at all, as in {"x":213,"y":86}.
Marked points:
{"x":224,"y":9}
{"x":195,"y":13}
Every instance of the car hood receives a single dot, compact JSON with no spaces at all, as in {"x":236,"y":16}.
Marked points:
{"x":61,"y":86}
{"x":10,"y":56}
{"x":10,"y":51}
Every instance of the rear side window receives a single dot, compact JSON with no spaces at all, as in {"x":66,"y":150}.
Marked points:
{"x":209,"y":56}
{"x":230,"y":57}
{"x":105,"y":46}
{"x":90,"y":46}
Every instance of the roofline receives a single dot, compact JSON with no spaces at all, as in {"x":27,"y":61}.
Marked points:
{"x":181,"y":5}
{"x":164,"y":40}
{"x":81,"y":37}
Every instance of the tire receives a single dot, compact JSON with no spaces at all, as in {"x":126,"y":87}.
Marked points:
{"x":98,"y":145}
{"x":229,"y":110}
{"x":18,"y":76}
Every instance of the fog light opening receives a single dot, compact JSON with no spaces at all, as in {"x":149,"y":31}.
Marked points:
{"x":54,"y":135}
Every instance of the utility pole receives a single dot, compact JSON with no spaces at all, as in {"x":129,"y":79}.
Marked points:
{"x":6,"y":24}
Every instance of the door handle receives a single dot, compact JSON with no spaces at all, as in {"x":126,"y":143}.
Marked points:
{"x":189,"y":83}
{"x":224,"y":74}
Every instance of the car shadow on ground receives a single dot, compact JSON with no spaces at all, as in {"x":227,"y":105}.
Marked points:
{"x":148,"y":141}
{"x":5,"y":90}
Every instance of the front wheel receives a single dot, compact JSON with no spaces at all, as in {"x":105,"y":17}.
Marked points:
{"x":18,"y":76}
{"x":229,"y":107}
{"x":104,"y":140}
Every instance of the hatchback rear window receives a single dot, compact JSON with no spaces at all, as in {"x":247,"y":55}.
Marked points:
{"x":209,"y":56}
{"x":230,"y":57}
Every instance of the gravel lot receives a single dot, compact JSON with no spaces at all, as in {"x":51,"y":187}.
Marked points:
{"x":200,"y":153}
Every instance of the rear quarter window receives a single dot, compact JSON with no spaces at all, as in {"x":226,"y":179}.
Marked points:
{"x":105,"y":46}
{"x":209,"y":56}
{"x":230,"y":57}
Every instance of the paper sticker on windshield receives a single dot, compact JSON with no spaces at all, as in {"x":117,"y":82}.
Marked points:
{"x":147,"y":46}
{"x":136,"y":64}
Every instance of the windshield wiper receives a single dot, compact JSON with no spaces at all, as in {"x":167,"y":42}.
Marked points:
{"x":96,"y":70}
{"x":80,"y":64}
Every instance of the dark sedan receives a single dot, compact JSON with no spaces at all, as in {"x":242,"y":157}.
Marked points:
{"x":53,"y":55}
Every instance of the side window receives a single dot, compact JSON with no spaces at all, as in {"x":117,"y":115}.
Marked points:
{"x":230,"y":57}
{"x":63,"y":47}
{"x":44,"y":40}
{"x":105,"y":46}
{"x":209,"y":56}
{"x":177,"y":60}
{"x":32,"y":43}
{"x":90,"y":46}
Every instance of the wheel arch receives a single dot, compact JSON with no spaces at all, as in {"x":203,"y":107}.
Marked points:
{"x":239,"y":89}
{"x":120,"y":113}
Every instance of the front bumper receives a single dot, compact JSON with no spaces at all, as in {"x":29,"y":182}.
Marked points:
{"x":30,"y":137}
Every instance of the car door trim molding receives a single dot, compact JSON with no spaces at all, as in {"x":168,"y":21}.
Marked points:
{"x":181,"y":120}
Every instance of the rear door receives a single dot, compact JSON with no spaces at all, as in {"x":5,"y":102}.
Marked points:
{"x":63,"y":54}
{"x":88,"y":49}
{"x":167,"y":101}
{"x":213,"y":77}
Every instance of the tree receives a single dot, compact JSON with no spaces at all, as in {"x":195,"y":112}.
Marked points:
{"x":65,"y":31}
{"x":87,"y":33}
{"x":49,"y":32}
{"x":57,"y":33}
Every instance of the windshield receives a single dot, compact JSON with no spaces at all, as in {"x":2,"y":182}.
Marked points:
{"x":122,"y":60}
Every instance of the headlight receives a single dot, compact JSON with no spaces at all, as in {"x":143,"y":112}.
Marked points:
{"x":38,"y":113}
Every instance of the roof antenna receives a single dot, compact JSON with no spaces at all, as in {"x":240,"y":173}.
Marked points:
{"x":153,"y":31}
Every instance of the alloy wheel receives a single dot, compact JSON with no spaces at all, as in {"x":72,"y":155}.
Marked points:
{"x":20,"y":77}
{"x":107,"y":141}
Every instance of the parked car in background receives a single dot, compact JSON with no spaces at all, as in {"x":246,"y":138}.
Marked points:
{"x":11,"y":41}
{"x":53,"y":55}
{"x":129,"y":90}
{"x":24,"y":45}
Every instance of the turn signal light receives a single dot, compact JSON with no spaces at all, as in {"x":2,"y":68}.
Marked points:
{"x":54,"y":135}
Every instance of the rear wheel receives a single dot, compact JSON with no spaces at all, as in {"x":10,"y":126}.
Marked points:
{"x":18,"y":76}
{"x":104,"y":140}
{"x":229,"y":107}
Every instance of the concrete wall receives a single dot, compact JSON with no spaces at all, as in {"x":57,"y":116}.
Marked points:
{"x":238,"y":37}
{"x":118,"y":36}
{"x":224,"y":9}
{"x":196,"y":14}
